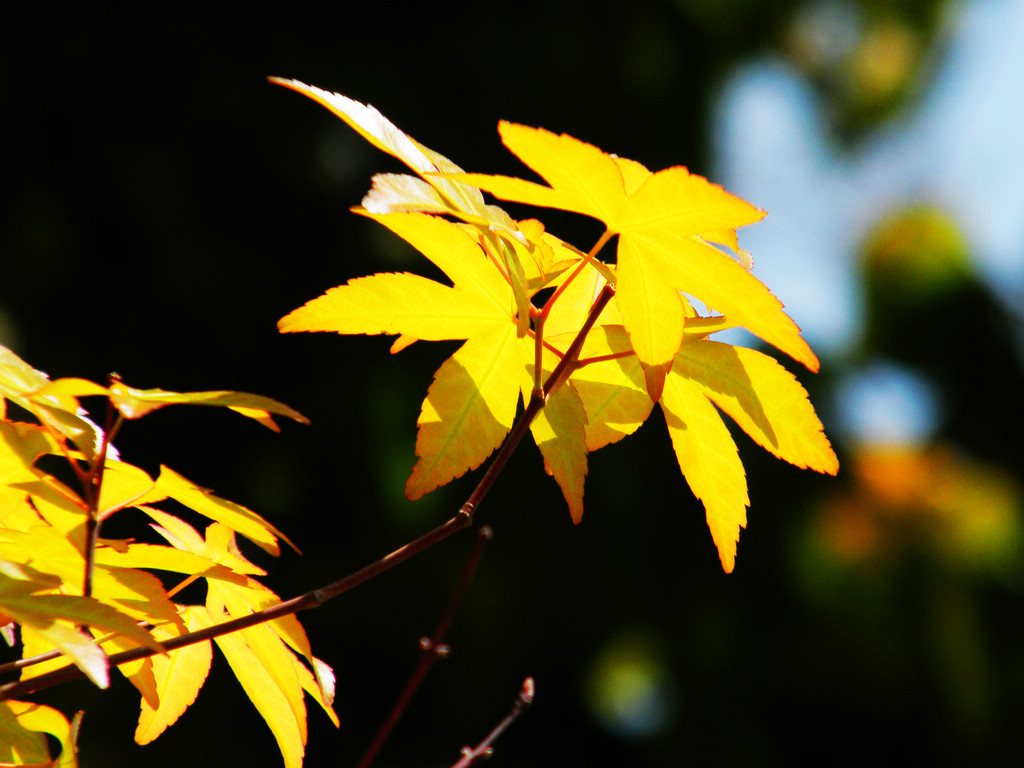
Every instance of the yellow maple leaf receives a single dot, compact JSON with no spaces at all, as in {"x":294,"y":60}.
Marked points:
{"x":764,"y":399}
{"x":177,"y":678}
{"x":23,"y":726}
{"x":659,"y":219}
{"x":55,"y":620}
{"x":471,"y":403}
{"x":648,"y":344}
{"x":263,"y":663}
{"x":234,"y":516}
{"x":433,"y":192}
{"x":135,"y":403}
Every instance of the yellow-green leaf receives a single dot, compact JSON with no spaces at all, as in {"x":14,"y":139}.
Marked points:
{"x":18,"y":377}
{"x":469,"y":408}
{"x":135,"y":403}
{"x":23,"y":726}
{"x":369,"y":123}
{"x":20,"y":446}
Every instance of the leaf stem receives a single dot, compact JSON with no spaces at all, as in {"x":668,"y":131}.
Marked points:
{"x":590,"y":258}
{"x":570,"y":360}
{"x":92,"y":486}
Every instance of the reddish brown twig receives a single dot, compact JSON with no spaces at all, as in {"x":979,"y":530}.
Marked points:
{"x":485,"y":748}
{"x":433,"y":648}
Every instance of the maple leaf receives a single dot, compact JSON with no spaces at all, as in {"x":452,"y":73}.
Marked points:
{"x":659,"y":219}
{"x":263,"y":659}
{"x":56,"y":618}
{"x":23,"y":729}
{"x":471,"y":403}
{"x":433,"y":191}
{"x":135,"y":403}
{"x":61,"y":414}
{"x":764,"y":399}
{"x":647,"y":345}
{"x":234,"y":516}
{"x":177,"y":679}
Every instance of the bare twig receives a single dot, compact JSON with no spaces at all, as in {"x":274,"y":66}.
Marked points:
{"x":433,"y":648}
{"x":303,"y":602}
{"x":485,"y":748}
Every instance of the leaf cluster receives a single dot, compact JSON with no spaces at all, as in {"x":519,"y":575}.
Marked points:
{"x":75,"y":597}
{"x":538,"y":327}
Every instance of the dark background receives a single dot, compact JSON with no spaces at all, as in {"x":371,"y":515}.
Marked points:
{"x":163,"y":206}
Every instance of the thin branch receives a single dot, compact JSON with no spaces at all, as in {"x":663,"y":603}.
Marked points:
{"x":309,"y":600}
{"x":565,"y":367}
{"x":433,"y":648}
{"x":570,"y":361}
{"x":485,"y":748}
{"x":14,"y":666}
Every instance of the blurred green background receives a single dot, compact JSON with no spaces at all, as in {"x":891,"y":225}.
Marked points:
{"x":163,"y":206}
